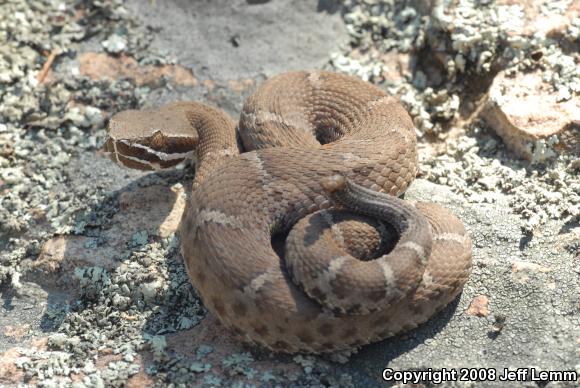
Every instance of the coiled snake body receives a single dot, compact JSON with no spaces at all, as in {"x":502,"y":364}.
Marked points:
{"x":317,"y":139}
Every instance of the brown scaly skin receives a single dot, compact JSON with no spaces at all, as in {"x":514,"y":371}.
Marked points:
{"x":239,"y":202}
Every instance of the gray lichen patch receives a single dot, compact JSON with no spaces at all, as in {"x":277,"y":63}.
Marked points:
{"x":453,"y":51}
{"x":457,"y":47}
{"x":480,"y":168}
{"x":47,"y":124}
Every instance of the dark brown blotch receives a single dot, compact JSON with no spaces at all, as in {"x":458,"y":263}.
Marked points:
{"x":376,"y":296}
{"x":385,"y":334}
{"x":305,"y":337}
{"x":262,"y":305}
{"x":218,"y":306}
{"x":327,"y":346}
{"x":408,"y":326}
{"x":354,"y":309}
{"x":379,"y":322}
{"x":325,"y":329}
{"x":437,"y":294}
{"x":260,"y":329}
{"x":237,"y":332}
{"x":281,"y":345}
{"x":200,"y":278}
{"x":240,"y":308}
{"x":416,"y":308}
{"x":339,"y":290}
{"x":349,"y":332}
{"x":317,"y":294}
{"x":457,"y":284}
{"x":357,"y":343}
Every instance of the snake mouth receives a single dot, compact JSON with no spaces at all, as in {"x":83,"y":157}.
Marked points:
{"x":140,"y":155}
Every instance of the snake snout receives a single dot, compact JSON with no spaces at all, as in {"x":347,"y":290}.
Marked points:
{"x":333,"y":183}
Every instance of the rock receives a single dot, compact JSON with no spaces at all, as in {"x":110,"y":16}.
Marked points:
{"x":64,"y":253}
{"x":528,"y":116}
{"x":16,"y":332}
{"x":479,"y":306}
{"x":523,"y":271}
{"x":9,"y":373}
{"x":524,"y":266}
{"x":397,"y":66}
{"x":115,"y":44}
{"x":163,"y":206}
{"x":101,"y":66}
{"x":241,"y":85}
{"x":156,"y":207}
{"x":12,"y":359}
{"x":225,"y":39}
{"x":538,"y":18}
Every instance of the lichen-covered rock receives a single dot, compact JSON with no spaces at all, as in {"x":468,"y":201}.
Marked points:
{"x":530,"y":116}
{"x":551,"y":18}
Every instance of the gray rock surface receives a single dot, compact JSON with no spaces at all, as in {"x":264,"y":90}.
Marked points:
{"x":232,"y":39}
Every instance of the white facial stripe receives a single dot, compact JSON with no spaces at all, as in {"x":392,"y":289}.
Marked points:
{"x":154,"y":166}
{"x":116,"y":152}
{"x":161,"y":155}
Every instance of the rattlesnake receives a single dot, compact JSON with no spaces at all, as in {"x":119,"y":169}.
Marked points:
{"x":313,"y":140}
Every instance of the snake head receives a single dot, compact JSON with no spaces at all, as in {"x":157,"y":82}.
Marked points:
{"x":151,"y":139}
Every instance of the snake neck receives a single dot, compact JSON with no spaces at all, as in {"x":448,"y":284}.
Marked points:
{"x":218,"y":139}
